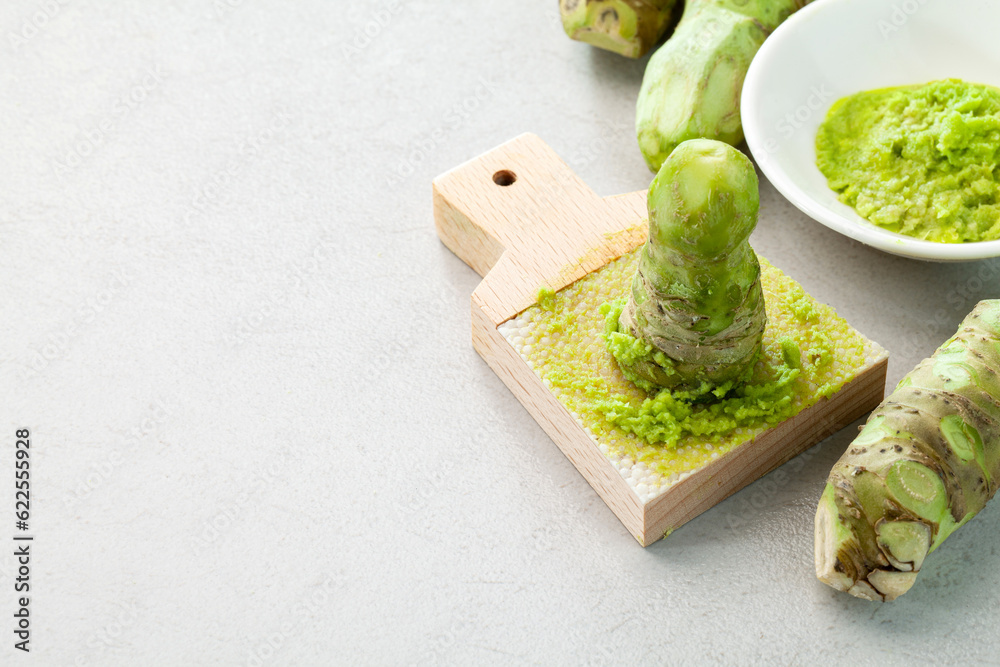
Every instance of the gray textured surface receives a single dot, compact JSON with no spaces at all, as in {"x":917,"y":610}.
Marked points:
{"x":261,"y":433}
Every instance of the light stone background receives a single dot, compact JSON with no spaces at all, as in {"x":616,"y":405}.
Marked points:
{"x":261,"y":434}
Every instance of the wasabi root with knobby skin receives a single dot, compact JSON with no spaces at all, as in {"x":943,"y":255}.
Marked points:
{"x":695,"y":317}
{"x":927,"y":461}
{"x":627,"y":27}
{"x":693,"y":83}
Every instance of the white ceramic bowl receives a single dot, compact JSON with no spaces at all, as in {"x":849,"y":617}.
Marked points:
{"x":834,"y":48}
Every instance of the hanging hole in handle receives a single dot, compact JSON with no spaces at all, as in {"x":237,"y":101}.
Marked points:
{"x":504,"y":177}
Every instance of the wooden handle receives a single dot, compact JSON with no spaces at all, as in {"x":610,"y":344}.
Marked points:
{"x":522,"y":219}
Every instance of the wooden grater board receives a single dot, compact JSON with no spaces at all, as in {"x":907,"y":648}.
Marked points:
{"x":522,"y":219}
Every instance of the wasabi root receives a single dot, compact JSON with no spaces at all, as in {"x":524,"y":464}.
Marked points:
{"x":695,"y":317}
{"x":927,"y":461}
{"x":693,"y":83}
{"x":627,"y":27}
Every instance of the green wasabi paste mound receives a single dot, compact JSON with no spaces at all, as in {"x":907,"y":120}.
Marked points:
{"x":712,"y":411}
{"x":923,"y":161}
{"x":695,"y":317}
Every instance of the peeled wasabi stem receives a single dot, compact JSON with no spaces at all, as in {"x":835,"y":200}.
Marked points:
{"x":927,"y":461}
{"x":696,"y":307}
{"x":693,"y":83}
{"x":627,"y":27}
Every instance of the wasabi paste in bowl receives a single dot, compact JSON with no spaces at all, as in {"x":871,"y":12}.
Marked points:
{"x":834,"y":49}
